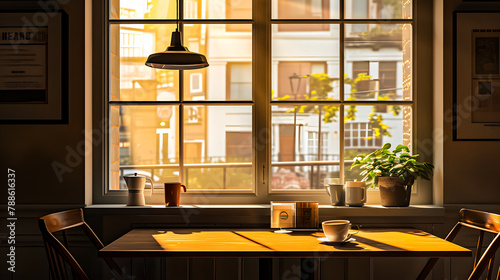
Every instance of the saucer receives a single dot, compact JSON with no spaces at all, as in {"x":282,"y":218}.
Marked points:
{"x":324,"y":239}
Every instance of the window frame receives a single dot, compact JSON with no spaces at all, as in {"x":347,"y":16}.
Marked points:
{"x":261,"y":37}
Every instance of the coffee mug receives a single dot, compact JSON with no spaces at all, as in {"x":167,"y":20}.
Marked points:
{"x":338,"y":230}
{"x":173,"y":193}
{"x":336,"y":193}
{"x":355,"y":193}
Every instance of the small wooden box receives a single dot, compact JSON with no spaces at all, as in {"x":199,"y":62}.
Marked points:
{"x":307,"y":214}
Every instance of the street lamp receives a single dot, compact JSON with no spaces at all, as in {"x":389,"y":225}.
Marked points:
{"x":295,"y":84}
{"x":295,"y":87}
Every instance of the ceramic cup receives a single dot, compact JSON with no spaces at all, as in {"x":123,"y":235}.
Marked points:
{"x":173,"y":193}
{"x":336,"y":193}
{"x":355,"y":193}
{"x":337,"y":230}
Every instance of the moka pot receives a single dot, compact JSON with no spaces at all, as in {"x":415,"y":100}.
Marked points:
{"x":136,"y":184}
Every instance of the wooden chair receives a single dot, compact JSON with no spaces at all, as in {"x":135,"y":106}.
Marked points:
{"x":59,"y":256}
{"x":484,"y":222}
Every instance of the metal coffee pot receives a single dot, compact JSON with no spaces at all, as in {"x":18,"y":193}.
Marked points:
{"x":135,"y":184}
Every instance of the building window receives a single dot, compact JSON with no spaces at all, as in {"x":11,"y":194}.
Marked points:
{"x":266,"y":116}
{"x":303,"y":9}
{"x":361,"y":136}
{"x":313,"y":143}
{"x":239,"y":9}
{"x":360,"y":67}
{"x":239,"y":81}
{"x":238,"y":146}
{"x":388,"y":78}
{"x":196,"y":83}
{"x":301,"y":69}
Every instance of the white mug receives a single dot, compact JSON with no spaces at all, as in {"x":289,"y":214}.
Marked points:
{"x":337,"y":230}
{"x":355,"y":193}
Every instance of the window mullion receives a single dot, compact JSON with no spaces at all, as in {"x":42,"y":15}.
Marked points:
{"x":341,"y":87}
{"x":261,"y":84}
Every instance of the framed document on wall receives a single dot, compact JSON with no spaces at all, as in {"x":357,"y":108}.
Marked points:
{"x":476,"y":79}
{"x":34,"y":68}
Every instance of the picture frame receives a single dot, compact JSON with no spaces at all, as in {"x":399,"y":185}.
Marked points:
{"x":34,"y":67}
{"x":476,"y":76}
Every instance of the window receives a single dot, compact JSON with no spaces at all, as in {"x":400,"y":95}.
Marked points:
{"x":196,"y":84}
{"x":387,"y":76}
{"x":313,"y":144}
{"x":360,"y":136}
{"x":303,"y":9}
{"x":299,"y":86}
{"x":263,"y":121}
{"x":239,"y":9}
{"x":360,"y":67}
{"x":239,"y":81}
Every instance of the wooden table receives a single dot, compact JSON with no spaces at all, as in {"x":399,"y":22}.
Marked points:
{"x":265,"y":244}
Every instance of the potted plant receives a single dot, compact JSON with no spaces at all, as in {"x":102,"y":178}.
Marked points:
{"x":393,"y":172}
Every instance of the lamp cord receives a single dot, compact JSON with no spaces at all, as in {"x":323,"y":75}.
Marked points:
{"x":177,"y":18}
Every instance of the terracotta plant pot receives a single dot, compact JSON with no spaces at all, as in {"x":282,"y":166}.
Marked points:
{"x":395,"y":192}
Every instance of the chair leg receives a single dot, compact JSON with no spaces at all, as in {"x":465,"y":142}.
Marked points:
{"x":488,"y":254}
{"x":490,"y":268}
{"x":57,"y":265}
{"x":479,"y":247}
{"x":49,"y":258}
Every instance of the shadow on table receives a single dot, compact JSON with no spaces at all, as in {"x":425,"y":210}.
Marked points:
{"x":378,"y":244}
{"x":346,"y":246}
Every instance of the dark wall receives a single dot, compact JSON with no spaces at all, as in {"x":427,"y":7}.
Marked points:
{"x":32,"y":149}
{"x":470,"y":167}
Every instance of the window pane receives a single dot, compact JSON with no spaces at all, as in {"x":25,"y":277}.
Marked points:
{"x":142,"y":9}
{"x":129,"y":78}
{"x":223,"y":79}
{"x":305,"y":65}
{"x":372,"y":127}
{"x":380,"y":9}
{"x":218,"y":9}
{"x":218,"y":147}
{"x":300,"y":160}
{"x":378,"y":62}
{"x":193,"y":9}
{"x":306,"y":9}
{"x":143,"y":139}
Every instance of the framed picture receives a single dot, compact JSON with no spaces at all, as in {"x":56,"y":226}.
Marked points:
{"x":476,"y":79}
{"x":33,"y":68}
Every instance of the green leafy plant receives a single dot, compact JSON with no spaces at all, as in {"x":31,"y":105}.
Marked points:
{"x":398,"y":163}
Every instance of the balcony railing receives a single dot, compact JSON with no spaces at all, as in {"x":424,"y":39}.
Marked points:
{"x":313,"y":171}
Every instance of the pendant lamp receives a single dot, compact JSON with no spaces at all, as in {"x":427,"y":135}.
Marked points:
{"x":176,"y":56}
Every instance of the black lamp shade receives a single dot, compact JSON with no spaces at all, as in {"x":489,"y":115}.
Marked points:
{"x":177,"y":57}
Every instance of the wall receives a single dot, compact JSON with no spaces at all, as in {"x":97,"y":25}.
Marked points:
{"x":31,"y":149}
{"x":470,"y":167}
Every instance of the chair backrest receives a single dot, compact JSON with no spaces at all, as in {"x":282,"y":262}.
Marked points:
{"x":59,"y":256}
{"x":483,"y":222}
